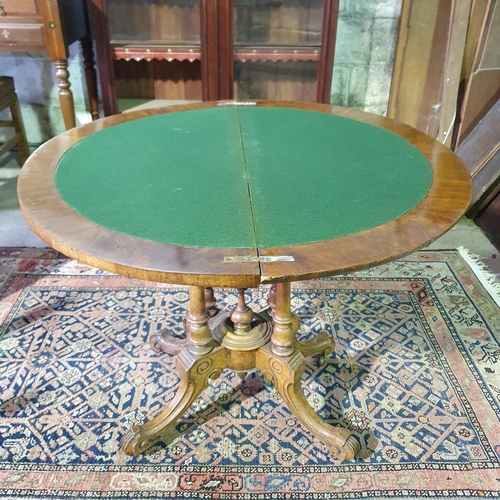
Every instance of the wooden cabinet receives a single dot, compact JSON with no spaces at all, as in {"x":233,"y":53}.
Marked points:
{"x":156,"y":48}
{"x":51,"y":26}
{"x":278,"y":49}
{"x":214,"y":49}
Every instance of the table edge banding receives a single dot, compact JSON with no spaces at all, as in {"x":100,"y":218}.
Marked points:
{"x":55,"y":222}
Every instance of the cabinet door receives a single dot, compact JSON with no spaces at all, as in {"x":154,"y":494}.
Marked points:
{"x":278,"y":49}
{"x":214,"y":49}
{"x":159,"y":22}
{"x":156,"y":48}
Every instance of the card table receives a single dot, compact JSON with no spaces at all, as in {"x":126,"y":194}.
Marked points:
{"x":239,"y":194}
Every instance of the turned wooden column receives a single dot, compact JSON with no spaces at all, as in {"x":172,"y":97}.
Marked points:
{"x":241,"y":315}
{"x":283,"y":337}
{"x":210,"y":301}
{"x":271,"y":300}
{"x":199,"y":335}
{"x":90,"y":75}
{"x":65,"y":94}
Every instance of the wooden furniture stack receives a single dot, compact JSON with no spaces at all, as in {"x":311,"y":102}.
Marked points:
{"x":51,"y":26}
{"x":446,"y":83}
{"x":447,"y":66}
{"x":214,"y":49}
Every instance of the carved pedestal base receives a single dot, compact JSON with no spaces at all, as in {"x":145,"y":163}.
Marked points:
{"x":242,"y":340}
{"x":194,"y":371}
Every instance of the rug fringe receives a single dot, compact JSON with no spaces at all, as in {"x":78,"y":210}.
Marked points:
{"x":489,"y":280}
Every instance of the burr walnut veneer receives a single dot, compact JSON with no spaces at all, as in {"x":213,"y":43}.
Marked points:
{"x":239,"y":194}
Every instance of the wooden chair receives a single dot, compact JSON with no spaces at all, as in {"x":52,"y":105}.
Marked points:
{"x":8,"y":99}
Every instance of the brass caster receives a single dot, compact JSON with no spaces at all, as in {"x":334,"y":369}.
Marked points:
{"x":319,"y":360}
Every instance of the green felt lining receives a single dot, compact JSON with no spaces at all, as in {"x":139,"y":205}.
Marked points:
{"x":185,"y":178}
{"x":175,"y":178}
{"x":334,"y":176}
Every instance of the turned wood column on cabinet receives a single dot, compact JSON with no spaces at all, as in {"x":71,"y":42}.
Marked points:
{"x":51,"y":26}
{"x":192,"y":50}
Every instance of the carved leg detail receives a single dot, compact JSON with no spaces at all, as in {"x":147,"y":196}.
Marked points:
{"x":322,"y":345}
{"x":162,"y":341}
{"x":195,"y":372}
{"x":199,"y":319}
{"x":286,"y":373}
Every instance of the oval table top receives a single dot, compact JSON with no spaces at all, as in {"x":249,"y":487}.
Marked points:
{"x":239,"y":193}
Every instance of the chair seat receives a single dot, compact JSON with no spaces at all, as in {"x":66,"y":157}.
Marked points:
{"x":6,"y":85}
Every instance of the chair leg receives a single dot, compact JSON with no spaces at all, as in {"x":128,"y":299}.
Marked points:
{"x":90,"y":75}
{"x":17,"y":121}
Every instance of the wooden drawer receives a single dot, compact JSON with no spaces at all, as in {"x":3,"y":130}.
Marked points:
{"x":18,"y":7}
{"x":21,"y":36}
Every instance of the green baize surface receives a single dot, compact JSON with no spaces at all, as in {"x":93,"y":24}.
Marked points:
{"x":242,"y":177}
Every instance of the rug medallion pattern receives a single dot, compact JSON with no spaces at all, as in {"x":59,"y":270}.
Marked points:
{"x":415,"y":376}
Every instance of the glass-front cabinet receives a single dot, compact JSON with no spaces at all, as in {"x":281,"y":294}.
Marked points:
{"x":277,"y":46}
{"x":156,"y":49}
{"x":191,"y":50}
{"x":155,"y":22}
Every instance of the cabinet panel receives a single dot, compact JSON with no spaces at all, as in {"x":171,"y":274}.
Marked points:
{"x":278,"y":22}
{"x":18,"y":7}
{"x":21,"y":37}
{"x":281,"y":80}
{"x":277,"y":46}
{"x":177,"y":80}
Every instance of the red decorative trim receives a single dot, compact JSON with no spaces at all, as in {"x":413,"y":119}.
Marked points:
{"x":150,"y":53}
{"x":194,"y":54}
{"x":277,"y":54}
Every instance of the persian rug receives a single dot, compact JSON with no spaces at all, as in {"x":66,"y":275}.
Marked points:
{"x":415,"y":377}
